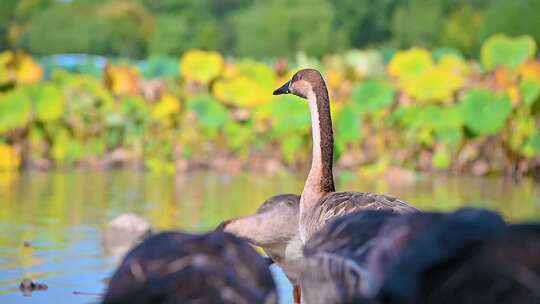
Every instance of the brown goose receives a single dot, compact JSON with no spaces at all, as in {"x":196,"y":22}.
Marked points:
{"x":274,"y":228}
{"x":175,"y":267}
{"x":319,"y":202}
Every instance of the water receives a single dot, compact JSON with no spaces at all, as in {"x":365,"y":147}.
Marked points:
{"x":62,"y":215}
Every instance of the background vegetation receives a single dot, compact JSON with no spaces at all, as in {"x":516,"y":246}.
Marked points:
{"x":264,"y":29}
{"x":174,"y":85}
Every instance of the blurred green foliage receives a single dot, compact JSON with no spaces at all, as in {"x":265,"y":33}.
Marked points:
{"x":263,"y":29}
{"x":422,"y":110}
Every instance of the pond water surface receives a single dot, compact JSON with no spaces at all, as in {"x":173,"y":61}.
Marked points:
{"x":62,"y":215}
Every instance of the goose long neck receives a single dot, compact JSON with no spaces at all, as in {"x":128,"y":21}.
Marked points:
{"x":320,"y":179}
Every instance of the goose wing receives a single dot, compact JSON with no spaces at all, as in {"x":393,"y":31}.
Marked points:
{"x":341,"y":203}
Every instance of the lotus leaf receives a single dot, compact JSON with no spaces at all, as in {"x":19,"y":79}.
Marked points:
{"x":248,"y":85}
{"x":290,"y":146}
{"x":201,"y":66}
{"x":522,"y":126}
{"x":9,"y":158}
{"x":48,"y":102}
{"x":501,"y":50}
{"x":211,"y":114}
{"x":441,"y":53}
{"x":260,"y":73}
{"x":427,"y":123}
{"x":6,"y":58}
{"x":167,"y":106}
{"x":437,"y":83}
{"x":348,"y":130}
{"x":28,"y":71}
{"x":454,"y":64}
{"x":484,"y":112}
{"x":241,"y":91}
{"x":15,"y":110}
{"x":239,"y":136}
{"x":410,"y":63}
{"x":161,"y":66}
{"x":373,"y":95}
{"x":122,"y":80}
{"x":530,"y":91}
{"x":441,"y":158}
{"x":290,"y":117}
{"x":65,"y":150}
{"x":532,"y":146}
{"x":530,"y":70}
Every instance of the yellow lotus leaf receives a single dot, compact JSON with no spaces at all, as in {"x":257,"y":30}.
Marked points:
{"x":201,"y":66}
{"x":513,"y":93}
{"x":122,"y":80}
{"x":167,"y":105}
{"x":28,"y":71}
{"x":9,"y":158}
{"x":434,"y":84}
{"x":530,"y":70}
{"x":241,"y":91}
{"x":6,"y":58}
{"x":454,"y":64}
{"x":230,"y":70}
{"x":334,"y":78}
{"x":410,"y":63}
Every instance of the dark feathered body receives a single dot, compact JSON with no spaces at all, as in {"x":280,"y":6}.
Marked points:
{"x":348,"y":259}
{"x":498,"y":265}
{"x":173,"y":267}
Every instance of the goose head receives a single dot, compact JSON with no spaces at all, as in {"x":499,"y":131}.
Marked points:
{"x":302,"y":84}
{"x":273,"y":224}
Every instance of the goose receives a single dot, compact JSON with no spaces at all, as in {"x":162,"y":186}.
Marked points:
{"x":274,"y":228}
{"x":319,"y":202}
{"x":495,"y":266}
{"x":176,"y":267}
{"x":348,"y":259}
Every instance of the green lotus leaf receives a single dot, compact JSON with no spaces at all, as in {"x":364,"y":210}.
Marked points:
{"x":501,"y":50}
{"x":48,"y":102}
{"x":15,"y":110}
{"x":530,"y":91}
{"x":66,"y":149}
{"x":484,"y":112}
{"x":441,"y":159}
{"x":532,"y":146}
{"x":348,"y":127}
{"x":211,"y":114}
{"x":290,"y":117}
{"x":373,"y":95}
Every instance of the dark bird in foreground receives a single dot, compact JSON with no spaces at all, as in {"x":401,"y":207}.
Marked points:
{"x":348,"y":260}
{"x":174,"y":267}
{"x":468,"y":267}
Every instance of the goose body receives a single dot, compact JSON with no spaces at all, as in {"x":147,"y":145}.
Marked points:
{"x":319,"y":202}
{"x":175,"y":267}
{"x":348,"y":260}
{"x":274,"y":228}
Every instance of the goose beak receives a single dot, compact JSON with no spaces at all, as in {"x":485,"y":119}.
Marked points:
{"x":284,"y":89}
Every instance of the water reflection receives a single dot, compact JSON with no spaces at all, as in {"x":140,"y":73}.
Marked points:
{"x":61,"y":215}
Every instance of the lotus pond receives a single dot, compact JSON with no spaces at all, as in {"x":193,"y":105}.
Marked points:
{"x":60,"y":216}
